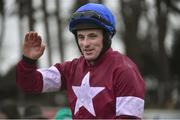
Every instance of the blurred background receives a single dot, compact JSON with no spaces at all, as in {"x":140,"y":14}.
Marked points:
{"x":148,"y":31}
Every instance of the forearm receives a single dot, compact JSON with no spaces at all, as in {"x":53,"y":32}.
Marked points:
{"x":27,"y":78}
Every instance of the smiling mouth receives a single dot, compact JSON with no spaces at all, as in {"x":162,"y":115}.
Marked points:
{"x":88,"y":52}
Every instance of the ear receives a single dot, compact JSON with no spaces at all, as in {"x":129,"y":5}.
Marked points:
{"x":110,"y":37}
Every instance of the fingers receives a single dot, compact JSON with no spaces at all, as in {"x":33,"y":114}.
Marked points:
{"x":26,"y":36}
{"x":42,"y":48}
{"x":37,"y":41}
{"x":26,"y":40}
{"x":32,"y":39}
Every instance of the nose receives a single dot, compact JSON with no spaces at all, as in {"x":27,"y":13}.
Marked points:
{"x":86,"y":42}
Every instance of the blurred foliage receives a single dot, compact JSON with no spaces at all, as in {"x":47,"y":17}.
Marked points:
{"x":175,"y":58}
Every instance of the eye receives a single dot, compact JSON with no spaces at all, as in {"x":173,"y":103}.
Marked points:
{"x":80,"y":37}
{"x":93,"y":36}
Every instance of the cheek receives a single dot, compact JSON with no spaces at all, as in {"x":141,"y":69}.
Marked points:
{"x":80,"y":44}
{"x":99,"y":44}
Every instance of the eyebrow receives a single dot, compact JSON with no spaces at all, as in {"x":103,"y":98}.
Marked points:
{"x":93,"y":33}
{"x":79,"y":35}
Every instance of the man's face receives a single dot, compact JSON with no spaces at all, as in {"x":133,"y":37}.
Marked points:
{"x":90,"y":42}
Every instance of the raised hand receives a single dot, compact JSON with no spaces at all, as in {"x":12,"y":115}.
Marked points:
{"x":33,"y":47}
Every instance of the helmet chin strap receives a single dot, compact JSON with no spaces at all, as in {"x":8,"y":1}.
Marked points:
{"x":106,"y":43}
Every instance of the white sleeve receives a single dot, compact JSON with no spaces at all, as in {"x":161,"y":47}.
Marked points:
{"x":51,"y":79}
{"x":129,"y":105}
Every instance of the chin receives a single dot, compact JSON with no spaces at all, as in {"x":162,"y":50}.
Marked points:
{"x":90,"y":58}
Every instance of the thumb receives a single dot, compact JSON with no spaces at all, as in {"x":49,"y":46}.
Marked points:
{"x":42,"y":48}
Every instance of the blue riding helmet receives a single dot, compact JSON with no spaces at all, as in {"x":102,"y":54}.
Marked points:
{"x":98,"y":15}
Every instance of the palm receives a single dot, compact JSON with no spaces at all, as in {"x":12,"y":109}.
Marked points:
{"x":33,"y":48}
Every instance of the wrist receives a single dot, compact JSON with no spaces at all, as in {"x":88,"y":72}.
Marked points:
{"x":28,"y":60}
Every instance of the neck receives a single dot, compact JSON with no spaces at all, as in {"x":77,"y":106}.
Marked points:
{"x":91,"y":62}
{"x":98,"y":59}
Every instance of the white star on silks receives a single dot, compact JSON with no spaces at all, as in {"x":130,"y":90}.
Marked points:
{"x":85,"y":93}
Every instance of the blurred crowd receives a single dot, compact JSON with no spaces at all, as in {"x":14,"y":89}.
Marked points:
{"x":10,"y":110}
